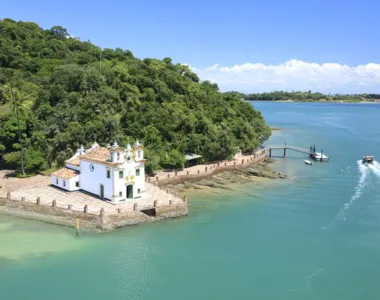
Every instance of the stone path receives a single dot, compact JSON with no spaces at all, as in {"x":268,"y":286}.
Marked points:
{"x":10,"y":184}
{"x":209,"y":168}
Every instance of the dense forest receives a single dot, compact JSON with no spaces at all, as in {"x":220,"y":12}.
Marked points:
{"x":304,"y":96}
{"x":58,"y":92}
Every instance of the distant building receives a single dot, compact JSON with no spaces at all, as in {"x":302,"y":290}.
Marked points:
{"x":113,"y":173}
{"x":238,"y":153}
{"x":191,"y":159}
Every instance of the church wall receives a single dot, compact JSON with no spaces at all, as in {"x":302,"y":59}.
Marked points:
{"x":72,"y":183}
{"x":66,"y":184}
{"x":90,"y":181}
{"x":72,"y":167}
{"x":129,"y":169}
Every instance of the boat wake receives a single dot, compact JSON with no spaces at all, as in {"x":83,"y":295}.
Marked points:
{"x":358,"y":192}
{"x":375,"y":168}
{"x":308,"y":281}
{"x":310,"y":277}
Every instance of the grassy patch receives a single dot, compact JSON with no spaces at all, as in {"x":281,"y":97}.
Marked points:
{"x":49,"y":171}
{"x":25,"y":176}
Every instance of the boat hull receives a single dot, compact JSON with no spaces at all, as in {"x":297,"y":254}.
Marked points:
{"x":367,"y":160}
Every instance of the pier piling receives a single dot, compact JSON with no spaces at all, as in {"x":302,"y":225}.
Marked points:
{"x":311,"y":152}
{"x":77,"y":227}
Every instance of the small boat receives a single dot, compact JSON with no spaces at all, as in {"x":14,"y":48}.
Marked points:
{"x":308,"y":162}
{"x":367,"y":160}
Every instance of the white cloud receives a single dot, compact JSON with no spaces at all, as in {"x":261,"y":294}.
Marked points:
{"x":294,"y":75}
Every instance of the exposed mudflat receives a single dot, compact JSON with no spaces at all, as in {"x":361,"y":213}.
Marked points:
{"x":225,"y":179}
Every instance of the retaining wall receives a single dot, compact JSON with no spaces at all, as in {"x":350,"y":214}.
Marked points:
{"x":91,"y":222}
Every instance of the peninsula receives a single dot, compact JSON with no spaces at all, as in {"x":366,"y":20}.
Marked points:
{"x":63,"y":100}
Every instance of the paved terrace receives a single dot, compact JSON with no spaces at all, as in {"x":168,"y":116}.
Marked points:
{"x":38,"y":187}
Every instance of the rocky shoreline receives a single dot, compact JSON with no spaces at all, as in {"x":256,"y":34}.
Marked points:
{"x":224,"y":179}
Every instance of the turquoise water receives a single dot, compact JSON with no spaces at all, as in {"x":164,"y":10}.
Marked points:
{"x":314,"y":236}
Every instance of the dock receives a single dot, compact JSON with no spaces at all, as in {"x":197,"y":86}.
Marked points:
{"x":317,"y":156}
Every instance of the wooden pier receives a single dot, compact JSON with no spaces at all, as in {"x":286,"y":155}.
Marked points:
{"x":318,"y":156}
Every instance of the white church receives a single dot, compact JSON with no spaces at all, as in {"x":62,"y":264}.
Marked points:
{"x":112,"y":173}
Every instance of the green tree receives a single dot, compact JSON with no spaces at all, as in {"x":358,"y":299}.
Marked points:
{"x":59,"y":92}
{"x":16,"y":98}
{"x":59,"y":32}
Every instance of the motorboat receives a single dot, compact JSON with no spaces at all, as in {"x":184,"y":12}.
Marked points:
{"x":308,"y":162}
{"x":367,"y":160}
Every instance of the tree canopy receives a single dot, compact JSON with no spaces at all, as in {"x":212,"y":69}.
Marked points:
{"x":74,"y":93}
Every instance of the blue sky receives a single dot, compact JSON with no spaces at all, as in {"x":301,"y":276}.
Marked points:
{"x":250,"y":35}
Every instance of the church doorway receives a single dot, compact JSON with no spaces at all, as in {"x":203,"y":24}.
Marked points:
{"x":130,"y":192}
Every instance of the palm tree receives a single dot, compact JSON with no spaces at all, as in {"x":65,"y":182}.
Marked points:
{"x":16,"y":98}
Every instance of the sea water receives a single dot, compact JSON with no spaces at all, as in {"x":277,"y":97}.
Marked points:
{"x":315,"y":235}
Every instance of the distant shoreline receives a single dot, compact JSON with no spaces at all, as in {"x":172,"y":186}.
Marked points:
{"x":297,"y":101}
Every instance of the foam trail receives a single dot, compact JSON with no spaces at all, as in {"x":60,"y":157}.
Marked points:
{"x":358,"y":192}
{"x":310,"y":277}
{"x":375,"y":168}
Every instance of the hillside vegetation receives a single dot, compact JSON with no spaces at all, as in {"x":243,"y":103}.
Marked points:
{"x":62,"y":92}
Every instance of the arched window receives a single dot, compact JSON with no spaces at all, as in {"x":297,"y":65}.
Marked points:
{"x":118,"y":156}
{"x":139,"y":154}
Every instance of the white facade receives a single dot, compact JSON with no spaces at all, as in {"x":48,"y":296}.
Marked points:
{"x":111,"y":173}
{"x":71,"y":184}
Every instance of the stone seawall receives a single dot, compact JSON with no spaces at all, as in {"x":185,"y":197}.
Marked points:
{"x":137,"y":217}
{"x":90,"y":222}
